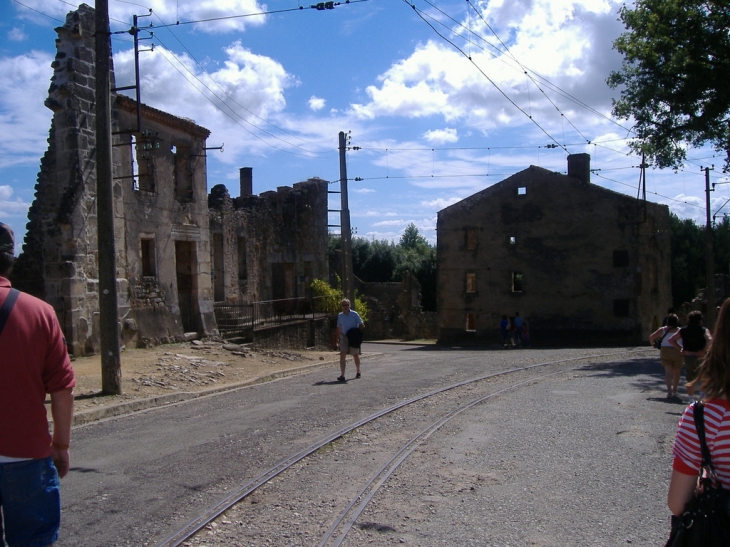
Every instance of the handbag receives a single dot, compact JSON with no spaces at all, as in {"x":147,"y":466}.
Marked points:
{"x":705,"y":521}
{"x":658,"y":342}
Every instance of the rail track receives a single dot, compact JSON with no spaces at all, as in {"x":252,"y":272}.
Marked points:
{"x":398,"y":430}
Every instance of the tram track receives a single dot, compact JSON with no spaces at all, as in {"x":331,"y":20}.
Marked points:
{"x":342,"y":513}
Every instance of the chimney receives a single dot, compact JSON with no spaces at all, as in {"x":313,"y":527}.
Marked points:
{"x":246,"y":181}
{"x":579,"y":167}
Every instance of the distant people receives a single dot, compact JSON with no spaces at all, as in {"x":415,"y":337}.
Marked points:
{"x":34,"y":363}
{"x":525,"y":334}
{"x":670,"y":356}
{"x":670,"y":311}
{"x":504,"y":329}
{"x":714,"y":380}
{"x":348,"y":320}
{"x":694,"y":337}
{"x":518,"y":329}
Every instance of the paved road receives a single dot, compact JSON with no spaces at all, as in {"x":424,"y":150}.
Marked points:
{"x":136,"y":479}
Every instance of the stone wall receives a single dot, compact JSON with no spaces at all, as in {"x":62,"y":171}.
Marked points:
{"x":577,"y":261}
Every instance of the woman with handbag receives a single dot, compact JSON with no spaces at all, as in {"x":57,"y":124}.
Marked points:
{"x":670,"y":357}
{"x":709,"y":429}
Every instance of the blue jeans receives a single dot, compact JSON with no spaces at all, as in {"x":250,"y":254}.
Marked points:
{"x":31,"y":503}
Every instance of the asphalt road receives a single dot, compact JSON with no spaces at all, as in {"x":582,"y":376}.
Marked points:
{"x":138,"y":478}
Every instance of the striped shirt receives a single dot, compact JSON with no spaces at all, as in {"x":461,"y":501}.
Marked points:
{"x":686,"y":451}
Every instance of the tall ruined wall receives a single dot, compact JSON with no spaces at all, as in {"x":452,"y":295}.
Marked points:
{"x":58,"y":262}
{"x":592,"y":262}
{"x":282,"y":236}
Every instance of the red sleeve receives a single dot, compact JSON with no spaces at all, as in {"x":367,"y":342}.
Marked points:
{"x":686,"y":450}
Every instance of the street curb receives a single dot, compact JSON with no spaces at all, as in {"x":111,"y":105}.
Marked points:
{"x":130,"y":407}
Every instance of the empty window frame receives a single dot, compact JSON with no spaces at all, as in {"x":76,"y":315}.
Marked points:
{"x":144,"y":170}
{"x":522,"y":190}
{"x":242,"y":266}
{"x":517,"y":282}
{"x":512,"y":240}
{"x":471,"y":239}
{"x":471,"y":282}
{"x":471,"y":322}
{"x":183,"y":173}
{"x":147,"y":250}
{"x":622,"y":307}
{"x":620,"y":259}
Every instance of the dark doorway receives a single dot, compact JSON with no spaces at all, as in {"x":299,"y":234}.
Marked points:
{"x":186,"y":284}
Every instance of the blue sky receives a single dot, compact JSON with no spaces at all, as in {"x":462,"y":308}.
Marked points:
{"x":443,"y":98}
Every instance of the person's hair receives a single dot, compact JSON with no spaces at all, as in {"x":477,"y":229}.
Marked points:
{"x":714,"y":372}
{"x":694,"y":318}
{"x":672,"y":320}
{"x":670,"y":311}
{"x":345,"y":301}
{"x":6,"y":264}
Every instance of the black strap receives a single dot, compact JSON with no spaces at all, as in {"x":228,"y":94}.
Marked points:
{"x":7,"y":306}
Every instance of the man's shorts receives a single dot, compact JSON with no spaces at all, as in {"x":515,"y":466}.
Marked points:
{"x":345,"y":346}
{"x":691,"y":365}
{"x":31,"y":503}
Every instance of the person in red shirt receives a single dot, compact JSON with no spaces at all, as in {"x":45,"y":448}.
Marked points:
{"x":34,"y":363}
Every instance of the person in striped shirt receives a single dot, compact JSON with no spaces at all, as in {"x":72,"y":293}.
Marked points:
{"x":714,"y":380}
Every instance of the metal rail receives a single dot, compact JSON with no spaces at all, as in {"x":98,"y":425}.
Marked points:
{"x":193,"y":526}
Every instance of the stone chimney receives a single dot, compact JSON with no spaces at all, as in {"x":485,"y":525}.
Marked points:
{"x":246,"y":181}
{"x":579,"y":167}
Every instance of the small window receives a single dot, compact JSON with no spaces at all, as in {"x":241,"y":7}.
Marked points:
{"x":145,"y":147}
{"x":147,"y":247}
{"x":471,"y":239}
{"x":621,"y":307}
{"x":471,"y":322}
{"x":521,"y":191}
{"x":512,"y":240}
{"x":471,"y":282}
{"x":517,"y":282}
{"x":242,"y":269}
{"x":620,"y":259}
{"x":183,"y":174}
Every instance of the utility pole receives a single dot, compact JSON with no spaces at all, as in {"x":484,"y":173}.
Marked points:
{"x":345,"y":233}
{"x":709,"y":256}
{"x":111,"y":369}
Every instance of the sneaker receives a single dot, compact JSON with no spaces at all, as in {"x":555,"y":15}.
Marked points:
{"x":357,"y":375}
{"x":341,"y":379}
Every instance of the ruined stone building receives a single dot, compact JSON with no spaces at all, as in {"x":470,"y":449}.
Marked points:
{"x":170,"y":268}
{"x":271,"y":246}
{"x":580,"y":263}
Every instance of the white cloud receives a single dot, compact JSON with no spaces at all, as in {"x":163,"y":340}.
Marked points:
{"x":363,"y":190}
{"x":23,"y":117}
{"x":441,"y":136}
{"x":17,"y":35}
{"x":441,"y":203}
{"x":316,"y":103}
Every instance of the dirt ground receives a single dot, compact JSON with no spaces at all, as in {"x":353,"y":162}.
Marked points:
{"x":186,"y":367}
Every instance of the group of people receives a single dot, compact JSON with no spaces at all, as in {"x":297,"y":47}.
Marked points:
{"x":706,"y":358}
{"x":515,"y":332}
{"x":681,"y":347}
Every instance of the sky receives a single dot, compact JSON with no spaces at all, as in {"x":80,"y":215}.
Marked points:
{"x":438,"y":99}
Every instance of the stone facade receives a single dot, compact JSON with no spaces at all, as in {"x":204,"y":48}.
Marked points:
{"x":175,"y":256}
{"x":271,"y":246}
{"x":580,"y":263}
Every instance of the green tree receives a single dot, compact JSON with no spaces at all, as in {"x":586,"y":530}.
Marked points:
{"x":688,"y":258}
{"x":674,"y":77}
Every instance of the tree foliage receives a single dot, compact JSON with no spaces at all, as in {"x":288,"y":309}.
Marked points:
{"x":674,"y":77}
{"x":327,"y":299}
{"x":384,"y":261}
{"x":688,"y":255}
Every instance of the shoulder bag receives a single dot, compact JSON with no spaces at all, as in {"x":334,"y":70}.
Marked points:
{"x":705,"y":521}
{"x":658,"y":342}
{"x":7,"y":306}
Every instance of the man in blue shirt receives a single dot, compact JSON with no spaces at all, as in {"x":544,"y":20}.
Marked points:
{"x":347,"y":320}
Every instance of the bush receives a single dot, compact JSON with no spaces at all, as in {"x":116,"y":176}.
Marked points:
{"x":328,"y":299}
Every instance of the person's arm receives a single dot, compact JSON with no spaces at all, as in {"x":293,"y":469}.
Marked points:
{"x":656,"y":334}
{"x":673,"y":340}
{"x":62,"y":409}
{"x":681,"y":490}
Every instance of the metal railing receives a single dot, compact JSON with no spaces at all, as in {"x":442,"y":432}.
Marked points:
{"x":238,"y":319}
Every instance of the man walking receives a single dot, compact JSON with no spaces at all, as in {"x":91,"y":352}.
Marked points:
{"x":348,"y":321}
{"x":34,"y":363}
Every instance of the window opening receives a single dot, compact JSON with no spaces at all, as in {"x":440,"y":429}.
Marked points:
{"x":521,"y":191}
{"x":512,"y":240}
{"x":621,"y":307}
{"x":517,"y":282}
{"x":471,"y":322}
{"x":242,"y":271}
{"x":471,"y":239}
{"x":147,"y":247}
{"x":183,"y":172}
{"x":471,"y":282}
{"x":620,"y":259}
